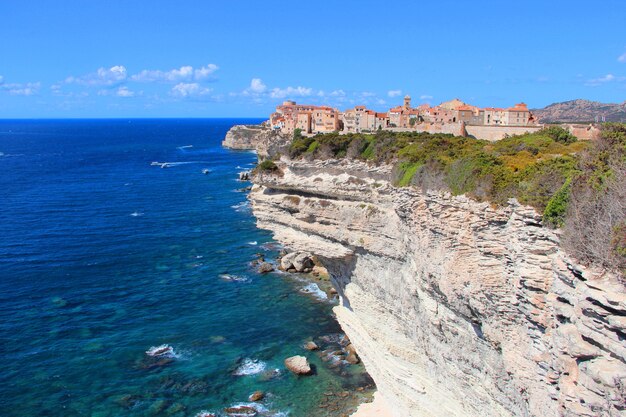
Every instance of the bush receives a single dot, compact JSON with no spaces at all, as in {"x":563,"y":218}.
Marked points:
{"x":558,"y":134}
{"x":554,"y":214}
{"x":267,"y":165}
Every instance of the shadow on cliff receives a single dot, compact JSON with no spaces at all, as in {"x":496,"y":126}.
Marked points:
{"x":340,"y":271}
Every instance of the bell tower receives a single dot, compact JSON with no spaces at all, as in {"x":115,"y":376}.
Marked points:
{"x":407,"y":102}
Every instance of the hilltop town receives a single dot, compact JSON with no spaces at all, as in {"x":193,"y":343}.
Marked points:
{"x":454,"y":117}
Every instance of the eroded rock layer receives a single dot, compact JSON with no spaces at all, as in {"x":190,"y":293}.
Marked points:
{"x":455,"y":307}
{"x":254,"y":137}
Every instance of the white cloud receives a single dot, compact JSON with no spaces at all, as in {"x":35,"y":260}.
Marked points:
{"x":204,"y":72}
{"x":394,"y":93}
{"x":124,"y":92}
{"x":189,"y":90}
{"x":338,"y":93}
{"x":622,"y":57}
{"x":257,"y":86}
{"x":1,"y":79}
{"x":380,"y":101}
{"x":426,"y":97}
{"x":103,"y":76}
{"x":594,"y":82}
{"x":184,"y":73}
{"x":291,"y":92}
{"x":19,"y":89}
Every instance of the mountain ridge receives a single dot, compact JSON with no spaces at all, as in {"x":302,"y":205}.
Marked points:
{"x":581,"y":110}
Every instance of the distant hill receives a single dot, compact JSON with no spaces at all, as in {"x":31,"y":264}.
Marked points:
{"x":581,"y":111}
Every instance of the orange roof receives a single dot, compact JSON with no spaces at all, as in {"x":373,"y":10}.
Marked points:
{"x":381,"y":114}
{"x":519,"y":107}
{"x":466,"y":107}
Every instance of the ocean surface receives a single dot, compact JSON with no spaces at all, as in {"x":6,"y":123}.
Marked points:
{"x":105,"y":254}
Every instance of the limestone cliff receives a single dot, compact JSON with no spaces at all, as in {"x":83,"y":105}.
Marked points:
{"x":253,"y":137}
{"x":456,"y":308}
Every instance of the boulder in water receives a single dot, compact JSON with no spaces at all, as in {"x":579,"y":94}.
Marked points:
{"x":256,"y":396}
{"x":311,"y":346}
{"x":241,"y":411}
{"x":298,"y":261}
{"x":299,"y":365}
{"x":303,"y":261}
{"x":266,"y":267}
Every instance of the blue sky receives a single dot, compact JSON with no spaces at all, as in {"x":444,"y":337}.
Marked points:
{"x":240,"y":58}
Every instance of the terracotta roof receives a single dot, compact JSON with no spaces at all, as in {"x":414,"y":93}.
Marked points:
{"x":381,"y":114}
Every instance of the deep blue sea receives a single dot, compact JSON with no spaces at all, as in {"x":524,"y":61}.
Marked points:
{"x":104,"y":255}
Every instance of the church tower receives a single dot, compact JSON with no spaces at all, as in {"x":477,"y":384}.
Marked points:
{"x":407,"y":102}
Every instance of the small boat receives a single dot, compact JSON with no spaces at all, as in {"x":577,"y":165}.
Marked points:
{"x":206,"y":171}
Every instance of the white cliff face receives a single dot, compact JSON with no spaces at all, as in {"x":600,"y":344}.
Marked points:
{"x":254,"y":137}
{"x":456,"y":308}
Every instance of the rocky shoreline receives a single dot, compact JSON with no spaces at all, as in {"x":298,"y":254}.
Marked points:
{"x":456,"y":308}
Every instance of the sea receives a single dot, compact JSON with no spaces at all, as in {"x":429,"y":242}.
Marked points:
{"x":128,"y":285}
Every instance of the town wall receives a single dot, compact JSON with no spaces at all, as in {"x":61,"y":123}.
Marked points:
{"x":494,"y":133}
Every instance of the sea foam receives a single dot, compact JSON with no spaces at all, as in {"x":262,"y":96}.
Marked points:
{"x":250,"y":367}
{"x":315,"y":291}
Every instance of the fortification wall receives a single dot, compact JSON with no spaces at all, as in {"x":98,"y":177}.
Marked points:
{"x":494,"y":133}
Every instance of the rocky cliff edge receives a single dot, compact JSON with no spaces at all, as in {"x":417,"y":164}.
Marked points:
{"x":456,"y":308}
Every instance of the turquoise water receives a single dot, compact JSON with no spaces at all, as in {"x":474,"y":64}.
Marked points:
{"x":104,"y":255}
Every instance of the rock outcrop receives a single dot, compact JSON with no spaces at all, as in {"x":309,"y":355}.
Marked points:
{"x":455,"y":307}
{"x":299,"y":365}
{"x":255,"y":137}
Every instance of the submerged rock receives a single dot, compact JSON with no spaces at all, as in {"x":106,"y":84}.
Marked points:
{"x":311,"y":346}
{"x":266,"y":267}
{"x":240,"y":411}
{"x":299,"y":365}
{"x":256,"y":396}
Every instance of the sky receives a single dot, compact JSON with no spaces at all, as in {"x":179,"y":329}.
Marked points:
{"x":236,"y":58}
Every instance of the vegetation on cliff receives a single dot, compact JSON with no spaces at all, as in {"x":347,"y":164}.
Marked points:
{"x":579,"y":186}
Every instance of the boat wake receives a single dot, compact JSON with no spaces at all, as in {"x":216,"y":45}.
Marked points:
{"x":175,"y":164}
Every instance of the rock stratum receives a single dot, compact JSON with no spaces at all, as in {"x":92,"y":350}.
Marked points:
{"x":254,"y":137}
{"x":455,"y":307}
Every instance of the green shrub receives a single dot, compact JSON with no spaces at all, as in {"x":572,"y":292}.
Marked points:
{"x":558,"y":134}
{"x":267,"y":165}
{"x":407,"y":172}
{"x":554,"y":214}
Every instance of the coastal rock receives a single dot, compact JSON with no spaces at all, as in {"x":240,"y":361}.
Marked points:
{"x":264,"y":140}
{"x":456,"y":308}
{"x":244,"y":176}
{"x":241,"y":411}
{"x":266,"y":267}
{"x":311,"y":346}
{"x":351,"y":356}
{"x":256,"y":396}
{"x":302,"y":262}
{"x":298,"y":261}
{"x":299,"y":365}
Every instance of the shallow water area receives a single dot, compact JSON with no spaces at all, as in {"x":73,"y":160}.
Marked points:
{"x":126,"y":288}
